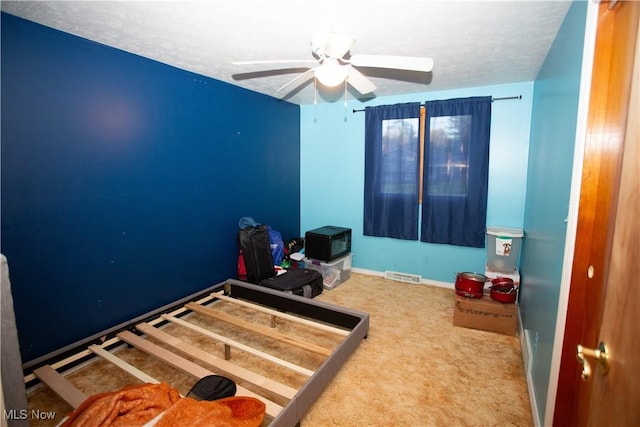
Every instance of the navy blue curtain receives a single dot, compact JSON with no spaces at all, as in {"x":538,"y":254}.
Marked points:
{"x":456,"y":166}
{"x":392,"y":159}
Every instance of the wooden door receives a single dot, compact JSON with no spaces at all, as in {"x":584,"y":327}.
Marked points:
{"x":615,"y":397}
{"x":604,"y":289}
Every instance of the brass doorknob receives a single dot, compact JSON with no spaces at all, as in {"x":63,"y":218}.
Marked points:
{"x":600,"y":354}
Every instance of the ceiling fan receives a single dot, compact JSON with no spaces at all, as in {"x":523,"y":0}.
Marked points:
{"x":334,"y":65}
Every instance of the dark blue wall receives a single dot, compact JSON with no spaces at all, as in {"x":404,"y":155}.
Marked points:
{"x":123,"y":180}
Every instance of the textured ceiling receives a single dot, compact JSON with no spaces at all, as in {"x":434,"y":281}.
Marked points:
{"x":472,"y":43}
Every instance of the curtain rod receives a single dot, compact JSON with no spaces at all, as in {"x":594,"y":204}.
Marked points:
{"x":492,"y":99}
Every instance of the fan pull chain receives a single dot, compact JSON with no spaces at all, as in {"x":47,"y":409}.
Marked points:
{"x":315,"y":90}
{"x":315,"y":99}
{"x":345,"y":100}
{"x":345,"y":93}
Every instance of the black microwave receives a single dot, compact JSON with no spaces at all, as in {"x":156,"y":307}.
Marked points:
{"x":327,"y":243}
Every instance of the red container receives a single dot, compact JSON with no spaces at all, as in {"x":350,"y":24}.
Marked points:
{"x":470,"y":285}
{"x":504,"y":290}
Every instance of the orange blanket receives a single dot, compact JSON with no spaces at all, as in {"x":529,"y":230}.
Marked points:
{"x":137,"y":405}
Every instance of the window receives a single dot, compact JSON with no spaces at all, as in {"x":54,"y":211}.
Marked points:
{"x":449,"y":155}
{"x":392,"y":158}
{"x":399,"y":156}
{"x":447,"y":173}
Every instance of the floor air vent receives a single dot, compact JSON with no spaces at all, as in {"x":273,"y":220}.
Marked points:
{"x":403,"y":277}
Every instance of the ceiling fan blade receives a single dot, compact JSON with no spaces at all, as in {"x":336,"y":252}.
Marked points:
{"x":413,"y":63}
{"x":301,"y":79}
{"x":276,"y":61}
{"x":359,"y":82}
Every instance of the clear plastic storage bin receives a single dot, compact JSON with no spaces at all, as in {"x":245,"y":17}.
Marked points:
{"x":334,"y":272}
{"x":503,"y":248}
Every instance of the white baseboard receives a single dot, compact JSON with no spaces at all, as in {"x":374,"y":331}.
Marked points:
{"x":424,"y":281}
{"x":527,"y":358}
{"x":367,"y":272}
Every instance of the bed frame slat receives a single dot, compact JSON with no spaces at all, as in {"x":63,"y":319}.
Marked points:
{"x":130,"y":369}
{"x":60,"y":385}
{"x":164,"y":355}
{"x":60,"y":364}
{"x":300,"y":320}
{"x":188,"y":367}
{"x":240,"y":346}
{"x":258,"y":329}
{"x":217,"y":363}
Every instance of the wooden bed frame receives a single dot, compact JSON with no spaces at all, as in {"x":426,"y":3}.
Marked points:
{"x":350,"y":326}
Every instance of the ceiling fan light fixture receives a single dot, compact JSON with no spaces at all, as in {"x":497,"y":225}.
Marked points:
{"x":334,"y":65}
{"x":331,"y":73}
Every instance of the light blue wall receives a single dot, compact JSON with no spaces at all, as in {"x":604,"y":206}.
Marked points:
{"x":553,"y":131}
{"x":332,"y":179}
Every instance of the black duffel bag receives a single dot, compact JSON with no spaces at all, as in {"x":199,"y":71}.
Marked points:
{"x":302,"y":281}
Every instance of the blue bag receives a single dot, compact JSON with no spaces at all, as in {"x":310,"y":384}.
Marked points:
{"x":277,"y":246}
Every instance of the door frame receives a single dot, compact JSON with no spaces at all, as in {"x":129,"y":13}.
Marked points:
{"x":586,"y":74}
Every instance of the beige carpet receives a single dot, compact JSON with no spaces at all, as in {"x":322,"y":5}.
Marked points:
{"x":417,"y":369}
{"x":414,"y":369}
